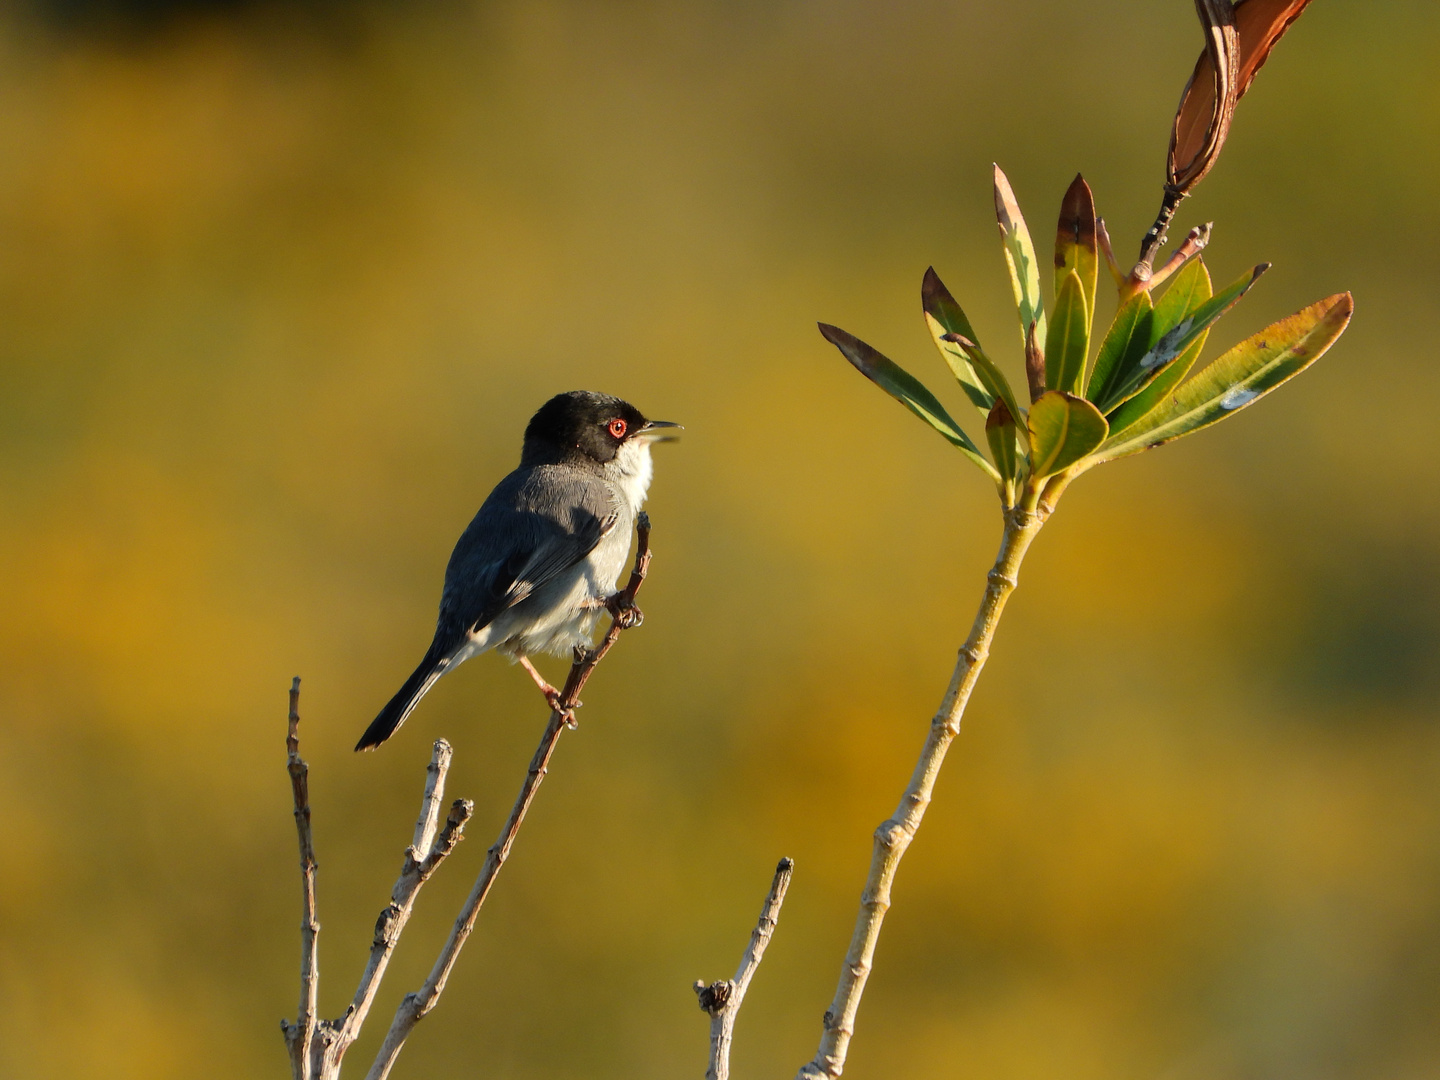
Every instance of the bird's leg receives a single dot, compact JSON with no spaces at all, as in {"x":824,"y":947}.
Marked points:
{"x":551,"y":694}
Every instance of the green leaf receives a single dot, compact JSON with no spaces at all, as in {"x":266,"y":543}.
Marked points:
{"x":1241,"y":377}
{"x":944,"y":316}
{"x":1020,"y":258}
{"x":1169,"y":345}
{"x":1187,"y":292}
{"x":1189,"y":289}
{"x":1068,"y":342}
{"x":906,"y":389}
{"x":956,"y":341}
{"x":1075,"y":242}
{"x":1063,"y":429}
{"x":1125,"y":342}
{"x":1001,"y":433}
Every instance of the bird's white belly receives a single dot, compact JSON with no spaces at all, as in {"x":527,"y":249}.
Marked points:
{"x":563,"y":613}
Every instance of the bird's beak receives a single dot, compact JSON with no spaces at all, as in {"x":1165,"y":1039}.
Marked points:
{"x":660,"y":431}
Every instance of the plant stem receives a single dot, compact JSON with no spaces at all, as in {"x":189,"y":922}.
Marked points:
{"x":894,"y":835}
{"x":317,"y":1047}
{"x":722,"y":1000}
{"x":1150,"y":246}
{"x":300,"y":1037}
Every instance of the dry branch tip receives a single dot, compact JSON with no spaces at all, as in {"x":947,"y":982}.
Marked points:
{"x":722,"y":999}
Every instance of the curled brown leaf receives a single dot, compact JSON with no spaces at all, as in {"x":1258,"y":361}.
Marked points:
{"x":1238,"y":42}
{"x":1208,"y":103}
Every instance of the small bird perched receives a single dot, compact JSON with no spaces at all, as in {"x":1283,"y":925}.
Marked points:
{"x":535,"y":568}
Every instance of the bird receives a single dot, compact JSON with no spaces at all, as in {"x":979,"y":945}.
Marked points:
{"x":533,"y":570}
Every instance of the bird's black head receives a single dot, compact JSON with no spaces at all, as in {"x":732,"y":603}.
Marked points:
{"x":581,"y":426}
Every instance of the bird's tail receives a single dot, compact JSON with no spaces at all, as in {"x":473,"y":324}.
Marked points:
{"x":400,"y":706}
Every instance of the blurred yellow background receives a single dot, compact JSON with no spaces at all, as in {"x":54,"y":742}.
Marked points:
{"x":279,"y":287}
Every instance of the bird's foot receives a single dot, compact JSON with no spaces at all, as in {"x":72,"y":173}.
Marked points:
{"x":556,"y":700}
{"x":626,"y":615}
{"x":553,"y":697}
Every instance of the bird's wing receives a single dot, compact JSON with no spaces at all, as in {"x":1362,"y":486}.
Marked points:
{"x":536,"y":524}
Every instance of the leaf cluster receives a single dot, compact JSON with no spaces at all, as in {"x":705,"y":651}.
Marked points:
{"x":1132,"y":391}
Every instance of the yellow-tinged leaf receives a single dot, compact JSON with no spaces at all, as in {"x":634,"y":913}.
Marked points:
{"x":1064,"y":429}
{"x":944,"y":316}
{"x":956,"y":341}
{"x":1136,"y":373}
{"x":1188,"y":290}
{"x":906,"y":389}
{"x":1020,"y":259}
{"x":1240,"y":377}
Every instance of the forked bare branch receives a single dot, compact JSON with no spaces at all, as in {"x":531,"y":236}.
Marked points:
{"x":722,"y":999}
{"x":421,"y":859}
{"x":317,"y":1047}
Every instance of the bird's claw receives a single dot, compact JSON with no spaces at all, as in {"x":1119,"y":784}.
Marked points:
{"x":626,"y":615}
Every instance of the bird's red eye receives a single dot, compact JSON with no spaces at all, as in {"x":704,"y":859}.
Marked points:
{"x":617,"y":428}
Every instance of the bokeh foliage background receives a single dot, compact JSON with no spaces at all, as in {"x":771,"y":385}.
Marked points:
{"x":279,"y":286}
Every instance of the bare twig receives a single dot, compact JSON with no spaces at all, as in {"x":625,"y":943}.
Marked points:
{"x":1195,"y":242}
{"x":1155,"y":237}
{"x":421,"y":859}
{"x":722,"y":999}
{"x":894,"y":835}
{"x":300,"y":1036}
{"x":317,"y":1047}
{"x":417,"y":1005}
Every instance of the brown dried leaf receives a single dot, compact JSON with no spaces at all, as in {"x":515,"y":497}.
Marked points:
{"x":1208,"y":103}
{"x":1238,"y":42}
{"x":1260,"y":24}
{"x":1034,"y":364}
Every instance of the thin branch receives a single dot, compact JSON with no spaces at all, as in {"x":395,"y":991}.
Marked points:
{"x":435,"y":773}
{"x":417,"y":1005}
{"x":317,"y":1046}
{"x":1195,"y":242}
{"x":1155,"y":237}
{"x":894,"y":835}
{"x":722,"y":999}
{"x":422,"y":858}
{"x":301,"y":1035}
